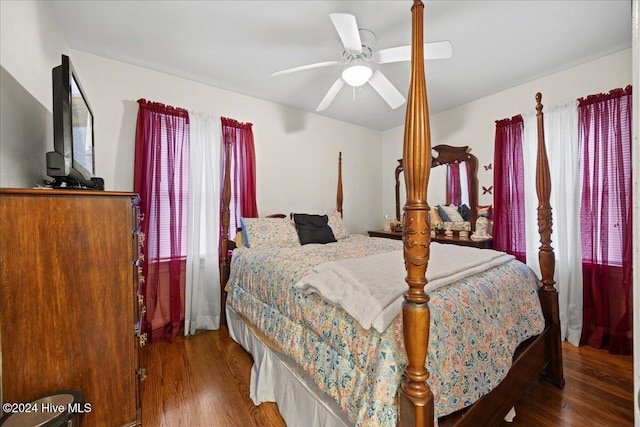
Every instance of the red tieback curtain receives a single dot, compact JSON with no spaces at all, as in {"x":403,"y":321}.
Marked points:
{"x":508,"y":185}
{"x":243,"y":171}
{"x":161,"y":180}
{"x":606,"y":216}
{"x":454,"y":195}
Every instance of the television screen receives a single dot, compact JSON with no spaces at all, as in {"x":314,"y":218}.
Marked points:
{"x":71,"y":163}
{"x":82,"y":130}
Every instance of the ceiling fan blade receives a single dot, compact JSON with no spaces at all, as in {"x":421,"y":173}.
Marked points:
{"x":347,"y":29}
{"x":387,"y":90}
{"x":432,"y":50}
{"x":328,"y":98}
{"x":305,"y":67}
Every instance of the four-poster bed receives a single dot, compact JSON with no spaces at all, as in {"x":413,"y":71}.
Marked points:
{"x":291,"y":333}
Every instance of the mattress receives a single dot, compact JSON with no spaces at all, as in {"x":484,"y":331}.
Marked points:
{"x":476,"y":324}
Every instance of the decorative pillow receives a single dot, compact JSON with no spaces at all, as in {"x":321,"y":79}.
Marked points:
{"x":484,"y":211}
{"x":465,"y":212}
{"x":442,"y":213}
{"x":337,"y":225}
{"x":313,"y":229}
{"x":268,"y":231}
{"x":452,"y":213}
{"x":434,"y":218}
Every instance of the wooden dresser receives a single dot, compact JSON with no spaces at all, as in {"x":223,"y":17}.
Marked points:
{"x":69,"y":315}
{"x":440,"y":238}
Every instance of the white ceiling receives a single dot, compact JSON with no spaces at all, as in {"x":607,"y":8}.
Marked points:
{"x":235,"y":45}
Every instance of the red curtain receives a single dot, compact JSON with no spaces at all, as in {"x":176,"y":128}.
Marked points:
{"x":606,"y":213}
{"x":239,"y":136}
{"x":508,"y":183}
{"x":161,"y":180}
{"x":453,"y":184}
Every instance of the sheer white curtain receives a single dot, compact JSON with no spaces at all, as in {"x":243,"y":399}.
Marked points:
{"x":561,"y":140}
{"x":202,"y":290}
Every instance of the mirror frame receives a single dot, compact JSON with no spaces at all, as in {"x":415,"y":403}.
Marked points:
{"x":444,"y":154}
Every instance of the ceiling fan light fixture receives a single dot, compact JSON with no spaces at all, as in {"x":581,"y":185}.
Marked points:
{"x":357,"y":74}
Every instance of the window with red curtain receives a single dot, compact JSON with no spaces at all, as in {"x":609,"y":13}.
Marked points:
{"x":606,"y":216}
{"x":508,"y":185}
{"x":239,"y":136}
{"x":161,"y":180}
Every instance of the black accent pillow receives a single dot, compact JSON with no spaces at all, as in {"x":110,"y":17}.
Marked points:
{"x":465,"y":212}
{"x":313,"y":228}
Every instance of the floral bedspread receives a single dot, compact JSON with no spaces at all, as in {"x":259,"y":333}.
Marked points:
{"x":476,"y":324}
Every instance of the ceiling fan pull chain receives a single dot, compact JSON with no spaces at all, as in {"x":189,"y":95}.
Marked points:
{"x":354,"y":93}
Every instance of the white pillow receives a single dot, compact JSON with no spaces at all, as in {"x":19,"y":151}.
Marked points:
{"x":337,"y":225}
{"x":452,"y":213}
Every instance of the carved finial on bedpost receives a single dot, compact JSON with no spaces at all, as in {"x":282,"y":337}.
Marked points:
{"x":339,"y":190}
{"x":415,"y":400}
{"x":548,"y":294}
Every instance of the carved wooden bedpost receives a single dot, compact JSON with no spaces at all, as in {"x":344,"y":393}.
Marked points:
{"x":415,"y":400}
{"x":339,"y":189}
{"x":224,"y":239}
{"x":548,"y":293}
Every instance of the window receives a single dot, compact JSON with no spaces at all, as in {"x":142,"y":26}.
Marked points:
{"x":605,"y":166}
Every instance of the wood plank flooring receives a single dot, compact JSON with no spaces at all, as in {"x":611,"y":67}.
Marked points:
{"x":204,"y":381}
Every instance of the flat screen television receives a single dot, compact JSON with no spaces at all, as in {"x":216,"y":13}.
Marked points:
{"x":72,"y":162}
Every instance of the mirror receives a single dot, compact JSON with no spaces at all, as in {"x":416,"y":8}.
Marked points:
{"x":446,"y":159}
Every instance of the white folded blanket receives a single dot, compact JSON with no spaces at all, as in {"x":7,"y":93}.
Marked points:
{"x":370,"y":289}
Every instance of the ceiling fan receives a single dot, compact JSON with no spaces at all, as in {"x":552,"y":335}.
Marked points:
{"x":359,"y":61}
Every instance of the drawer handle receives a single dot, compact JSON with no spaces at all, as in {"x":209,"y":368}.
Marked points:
{"x":141,"y":307}
{"x":142,"y":373}
{"x":143,"y":339}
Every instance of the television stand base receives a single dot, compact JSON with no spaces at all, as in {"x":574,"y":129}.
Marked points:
{"x":94,"y":183}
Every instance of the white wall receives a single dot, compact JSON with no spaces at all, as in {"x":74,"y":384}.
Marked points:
{"x":473,"y":124}
{"x":30,"y":46}
{"x":296,"y":152}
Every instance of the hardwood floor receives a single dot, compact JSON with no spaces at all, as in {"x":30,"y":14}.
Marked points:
{"x":204,"y":381}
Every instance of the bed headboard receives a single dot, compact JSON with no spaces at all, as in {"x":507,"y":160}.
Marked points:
{"x":225,"y":244}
